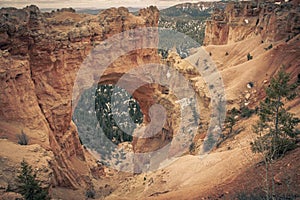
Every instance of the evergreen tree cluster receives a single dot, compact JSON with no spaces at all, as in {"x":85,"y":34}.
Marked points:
{"x":29,"y":187}
{"x":112,"y":113}
{"x":105,"y":116}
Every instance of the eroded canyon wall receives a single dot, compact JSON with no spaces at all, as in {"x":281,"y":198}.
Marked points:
{"x":239,"y":21}
{"x":40,"y":56}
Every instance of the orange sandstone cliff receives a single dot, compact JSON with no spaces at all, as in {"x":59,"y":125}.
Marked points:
{"x":243,"y":20}
{"x":39,"y":58}
{"x":42,"y":52}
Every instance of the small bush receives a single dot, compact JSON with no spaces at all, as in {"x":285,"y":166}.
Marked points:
{"x":192,"y":147}
{"x":90,"y":193}
{"x":249,"y":57}
{"x":246,"y":112}
{"x":164,"y":53}
{"x":226,"y":54}
{"x":234,"y":111}
{"x":22,"y":138}
{"x":269,"y":47}
{"x":28,"y":186}
{"x":277,"y":149}
{"x":230,"y":120}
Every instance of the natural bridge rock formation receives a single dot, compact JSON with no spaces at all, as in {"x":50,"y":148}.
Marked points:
{"x":40,"y":56}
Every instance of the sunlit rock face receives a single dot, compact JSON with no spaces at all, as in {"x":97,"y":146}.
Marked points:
{"x":243,"y":20}
{"x":40,"y":57}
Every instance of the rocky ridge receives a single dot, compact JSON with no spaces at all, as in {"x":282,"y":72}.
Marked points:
{"x":239,"y":21}
{"x":40,"y":56}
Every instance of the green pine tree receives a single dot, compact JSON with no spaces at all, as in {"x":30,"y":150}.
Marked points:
{"x":230,"y":120}
{"x":276,"y":126}
{"x":29,"y":187}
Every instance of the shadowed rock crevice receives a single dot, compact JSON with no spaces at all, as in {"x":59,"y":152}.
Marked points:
{"x":48,"y":51}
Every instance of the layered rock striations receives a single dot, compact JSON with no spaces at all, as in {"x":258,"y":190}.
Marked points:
{"x":40,"y":56}
{"x":274,"y":21}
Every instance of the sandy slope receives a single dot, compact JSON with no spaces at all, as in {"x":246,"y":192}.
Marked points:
{"x":218,"y":173}
{"x":193,"y":177}
{"x":12,"y":154}
{"x":237,"y":71}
